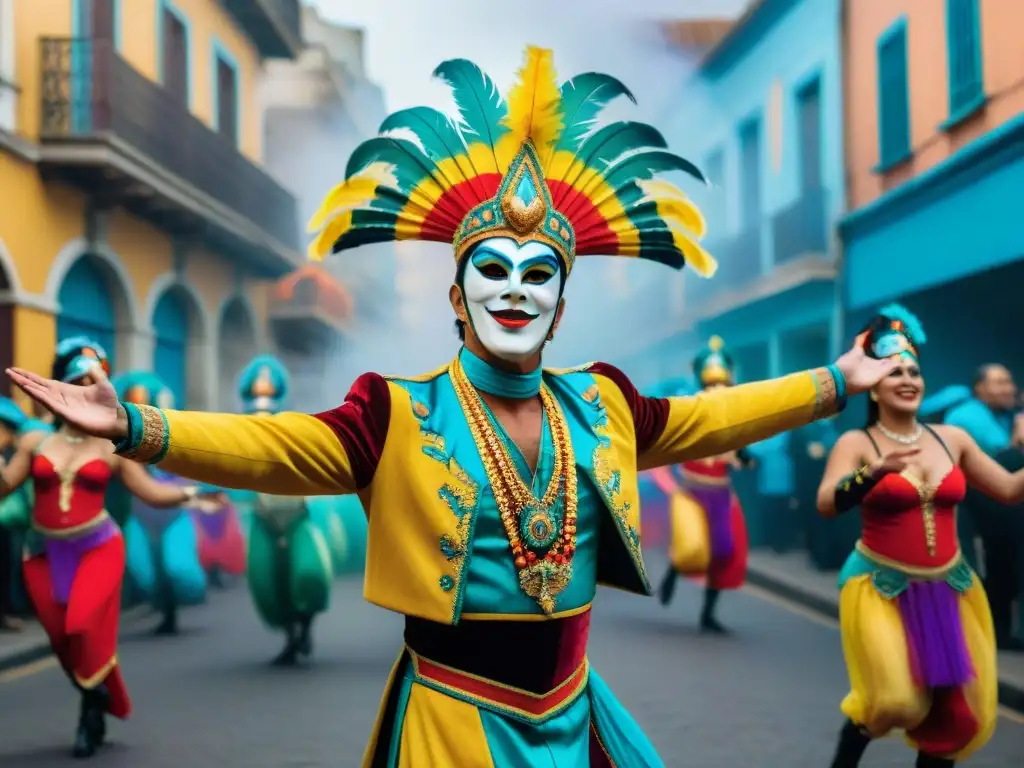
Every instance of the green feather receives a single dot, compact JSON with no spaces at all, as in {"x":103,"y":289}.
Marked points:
{"x":435,"y":131}
{"x":481,"y":107}
{"x":583,"y":98}
{"x":410,"y":165}
{"x":644,"y":165}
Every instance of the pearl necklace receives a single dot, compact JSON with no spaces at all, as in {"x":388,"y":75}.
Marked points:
{"x":73,"y":439}
{"x":896,"y":437}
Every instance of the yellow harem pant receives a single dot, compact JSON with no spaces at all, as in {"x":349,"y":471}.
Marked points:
{"x":951,"y":723}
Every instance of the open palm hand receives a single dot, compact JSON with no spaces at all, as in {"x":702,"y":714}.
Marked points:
{"x":94,"y":409}
{"x":862,"y":372}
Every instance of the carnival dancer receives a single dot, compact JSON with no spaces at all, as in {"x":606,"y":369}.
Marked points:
{"x":916,"y":627}
{"x":709,"y":532}
{"x":498,"y":493}
{"x":74,"y":578}
{"x":162,"y":545}
{"x":290,"y":567}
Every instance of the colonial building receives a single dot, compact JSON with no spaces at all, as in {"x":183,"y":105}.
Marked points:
{"x":935,"y":166}
{"x":762,"y":116}
{"x":136,"y":208}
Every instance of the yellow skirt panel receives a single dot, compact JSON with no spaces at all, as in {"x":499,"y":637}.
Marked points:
{"x":690,"y":546}
{"x":883,"y":694}
{"x":440,"y":731}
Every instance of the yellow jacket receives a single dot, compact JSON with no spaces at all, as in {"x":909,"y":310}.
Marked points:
{"x":387,"y":442}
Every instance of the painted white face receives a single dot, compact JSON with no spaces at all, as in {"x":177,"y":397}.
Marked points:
{"x":511,"y":294}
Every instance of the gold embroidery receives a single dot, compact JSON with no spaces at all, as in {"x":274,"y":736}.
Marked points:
{"x":926,"y":495}
{"x":524,"y":516}
{"x":154,"y":435}
{"x":608,"y":485}
{"x":98,"y":677}
{"x":74,"y":531}
{"x":422,"y":378}
{"x":932,"y":573}
{"x":573,"y":369}
{"x":827,"y":403}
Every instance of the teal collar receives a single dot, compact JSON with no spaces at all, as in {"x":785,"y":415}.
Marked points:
{"x":487,"y":378}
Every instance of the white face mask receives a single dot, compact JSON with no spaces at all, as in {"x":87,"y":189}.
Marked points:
{"x":512,"y":294}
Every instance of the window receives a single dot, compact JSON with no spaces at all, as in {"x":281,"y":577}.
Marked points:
{"x":225,"y":94}
{"x":963,"y":40}
{"x":809,"y":110}
{"x":174,"y":46}
{"x":893,"y":97}
{"x":8,"y":90}
{"x":750,"y":174}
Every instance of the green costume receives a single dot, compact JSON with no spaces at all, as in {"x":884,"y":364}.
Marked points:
{"x":290,"y":565}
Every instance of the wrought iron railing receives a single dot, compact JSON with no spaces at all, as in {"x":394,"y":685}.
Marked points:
{"x":802,"y":228}
{"x":89,"y":92}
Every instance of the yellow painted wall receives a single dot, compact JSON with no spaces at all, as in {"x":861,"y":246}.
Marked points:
{"x":35,"y":338}
{"x":34,"y":19}
{"x":145,"y":251}
{"x":36,"y":220}
{"x":214,"y":278}
{"x":208,"y":22}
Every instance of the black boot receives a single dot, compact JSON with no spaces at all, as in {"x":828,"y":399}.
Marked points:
{"x":852,"y":743}
{"x":92,"y":727}
{"x":304,"y":641}
{"x":708,"y":622}
{"x":169,"y":625}
{"x":927,"y":761}
{"x":289,"y":655}
{"x":668,"y":586}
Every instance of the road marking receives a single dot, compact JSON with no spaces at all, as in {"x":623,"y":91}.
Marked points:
{"x":827,"y":621}
{"x":27,"y":670}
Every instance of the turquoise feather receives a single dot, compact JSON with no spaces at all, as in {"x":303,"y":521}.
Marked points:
{"x":610,"y":142}
{"x":481,"y":108}
{"x":583,"y":98}
{"x":914,"y":329}
{"x":436,"y":132}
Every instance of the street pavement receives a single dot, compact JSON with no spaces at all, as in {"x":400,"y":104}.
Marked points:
{"x":765,"y":697}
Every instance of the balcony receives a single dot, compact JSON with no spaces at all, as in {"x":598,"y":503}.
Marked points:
{"x":801,"y":230}
{"x":273,"y":25}
{"x":309,"y":310}
{"x":127,"y":142}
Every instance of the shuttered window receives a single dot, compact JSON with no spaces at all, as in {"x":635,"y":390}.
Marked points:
{"x":893,"y":96}
{"x":963,"y":38}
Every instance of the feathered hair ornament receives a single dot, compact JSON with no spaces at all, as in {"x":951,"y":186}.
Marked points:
{"x":528,"y":167}
{"x":895,"y":330}
{"x":713,"y":365}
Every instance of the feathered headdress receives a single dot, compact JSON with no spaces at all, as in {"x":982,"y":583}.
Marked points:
{"x":895,"y":330}
{"x":529,"y":167}
{"x":76,"y":357}
{"x":143,"y":388}
{"x":713,"y":364}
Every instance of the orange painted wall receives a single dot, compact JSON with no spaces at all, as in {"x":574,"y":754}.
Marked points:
{"x":1003,"y":72}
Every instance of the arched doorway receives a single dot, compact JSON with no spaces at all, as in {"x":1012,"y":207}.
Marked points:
{"x":87,"y":306}
{"x":236,"y":346}
{"x":171,"y":344}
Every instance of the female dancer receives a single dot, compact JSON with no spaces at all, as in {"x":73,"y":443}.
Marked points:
{"x":162,"y":546}
{"x":709,"y":533}
{"x":916,"y":627}
{"x":74,"y":578}
{"x":290,"y":568}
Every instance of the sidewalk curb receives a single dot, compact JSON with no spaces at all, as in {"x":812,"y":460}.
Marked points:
{"x":1011,"y":694}
{"x":41,"y":649}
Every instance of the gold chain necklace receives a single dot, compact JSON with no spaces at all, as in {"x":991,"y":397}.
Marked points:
{"x":530,"y":523}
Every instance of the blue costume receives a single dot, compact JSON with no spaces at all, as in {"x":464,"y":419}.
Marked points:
{"x":162,"y":544}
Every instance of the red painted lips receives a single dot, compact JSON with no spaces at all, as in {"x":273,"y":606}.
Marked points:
{"x":513,"y":318}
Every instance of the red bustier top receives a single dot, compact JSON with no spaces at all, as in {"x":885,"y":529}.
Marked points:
{"x":68,"y":505}
{"x":911,"y":523}
{"x":707,"y":471}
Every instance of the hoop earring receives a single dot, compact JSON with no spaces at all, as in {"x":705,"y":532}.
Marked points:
{"x":874,"y":397}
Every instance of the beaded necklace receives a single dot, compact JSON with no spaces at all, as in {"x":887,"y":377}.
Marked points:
{"x":531,"y":524}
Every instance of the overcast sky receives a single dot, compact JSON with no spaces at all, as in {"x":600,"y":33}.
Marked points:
{"x":406,"y":39}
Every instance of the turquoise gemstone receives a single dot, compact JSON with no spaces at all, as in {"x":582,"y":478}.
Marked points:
{"x":447,"y":582}
{"x":526,"y":192}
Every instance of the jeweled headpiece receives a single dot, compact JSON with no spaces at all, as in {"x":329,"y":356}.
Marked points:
{"x":534,"y":166}
{"x":76,"y":357}
{"x":894,"y":331}
{"x":263,"y":385}
{"x":713,"y":365}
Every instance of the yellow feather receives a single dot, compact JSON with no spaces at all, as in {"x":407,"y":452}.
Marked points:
{"x":535,"y":102}
{"x":323,"y":242}
{"x":674,"y":204}
{"x":358,"y":190}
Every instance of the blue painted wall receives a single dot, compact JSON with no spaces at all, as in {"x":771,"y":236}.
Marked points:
{"x":86,"y":306}
{"x":170,"y":353}
{"x":957,"y":219}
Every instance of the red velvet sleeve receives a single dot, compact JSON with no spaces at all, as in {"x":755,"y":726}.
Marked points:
{"x":361,"y":424}
{"x":650,"y":414}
